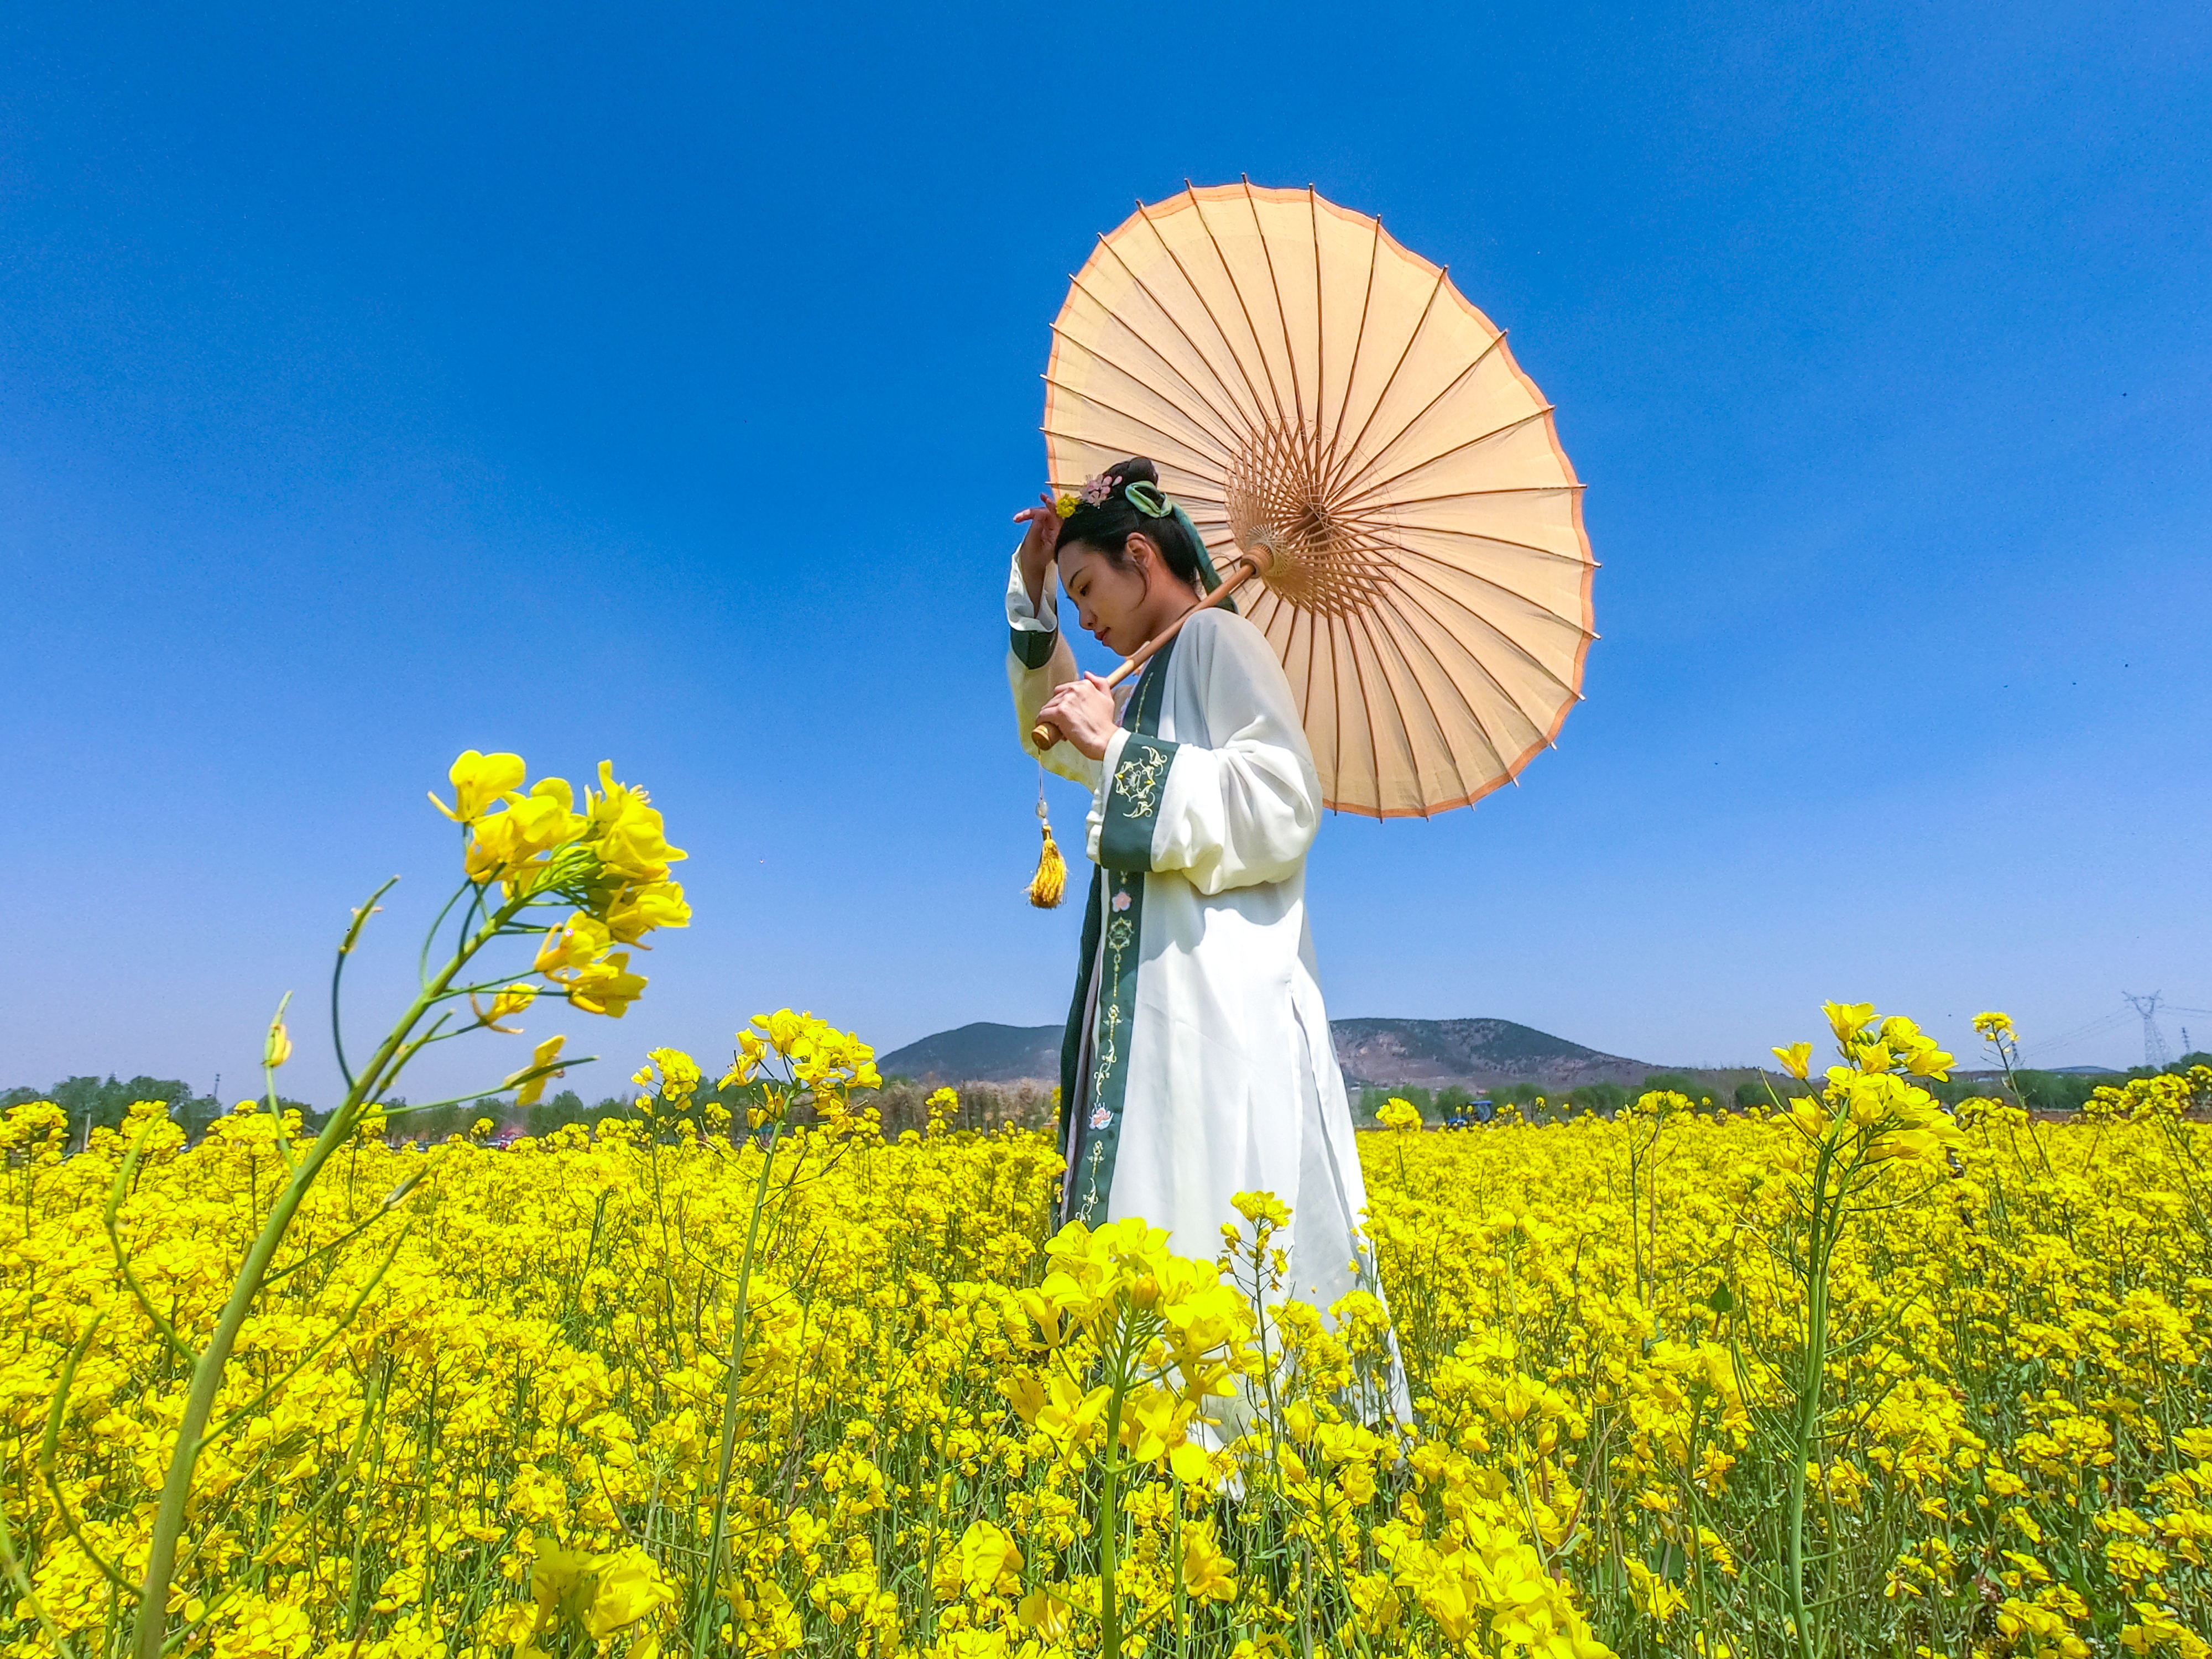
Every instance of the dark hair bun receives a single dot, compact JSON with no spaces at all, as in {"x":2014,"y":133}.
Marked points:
{"x":1108,"y":526}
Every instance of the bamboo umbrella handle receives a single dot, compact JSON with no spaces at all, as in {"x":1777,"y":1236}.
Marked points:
{"x":1044,"y":733}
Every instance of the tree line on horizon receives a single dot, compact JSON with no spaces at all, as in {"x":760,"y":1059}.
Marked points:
{"x":2039,"y":1092}
{"x":95,"y":1102}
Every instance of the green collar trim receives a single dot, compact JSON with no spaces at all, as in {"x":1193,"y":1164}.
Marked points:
{"x":1113,"y":930}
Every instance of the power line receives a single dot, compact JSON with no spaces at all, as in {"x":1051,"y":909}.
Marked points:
{"x":2096,"y":1027}
{"x":2156,"y":1054}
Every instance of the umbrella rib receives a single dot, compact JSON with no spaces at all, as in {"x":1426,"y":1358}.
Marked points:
{"x":1452,"y":386}
{"x":1388,"y":533}
{"x":1408,"y":351}
{"x":1461,"y":495}
{"x":1313,"y":630}
{"x":1135,"y":420}
{"x":1503,"y":639}
{"x":1494,"y":586}
{"x":1274,"y":609}
{"x":1497,"y":490}
{"x":1335,"y":702}
{"x":1203,"y":496}
{"x":1402,"y":529}
{"x":1359,"y":514}
{"x":1366,"y":708}
{"x":1481,"y":727}
{"x":1274,"y":392}
{"x":1074,"y":438}
{"x":1289,"y":353}
{"x":1226,"y":419}
{"x":1441,"y":455}
{"x":1511,"y":701}
{"x":1321,"y":327}
{"x":1175,"y":323}
{"x":1398,"y":708}
{"x":1359,"y":340}
{"x":1389,"y":596}
{"x":1220,"y":332}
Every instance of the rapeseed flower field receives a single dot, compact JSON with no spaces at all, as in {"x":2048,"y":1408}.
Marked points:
{"x":736,"y":1374}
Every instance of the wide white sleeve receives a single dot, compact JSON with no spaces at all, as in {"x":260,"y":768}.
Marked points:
{"x":1038,"y":663}
{"x":1240,"y":809}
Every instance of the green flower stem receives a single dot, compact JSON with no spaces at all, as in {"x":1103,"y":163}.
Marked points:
{"x":151,"y":1636}
{"x":1109,"y":1498}
{"x":1805,"y":1438}
{"x":728,"y":1464}
{"x":1181,"y":1589}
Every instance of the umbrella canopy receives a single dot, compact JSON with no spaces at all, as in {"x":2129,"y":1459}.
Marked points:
{"x":1303,"y":382}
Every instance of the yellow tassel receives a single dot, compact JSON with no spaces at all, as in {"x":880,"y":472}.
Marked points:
{"x":1051,"y":882}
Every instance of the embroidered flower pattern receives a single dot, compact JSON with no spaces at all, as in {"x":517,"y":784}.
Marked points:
{"x":1137,"y":779}
{"x":1121,"y":899}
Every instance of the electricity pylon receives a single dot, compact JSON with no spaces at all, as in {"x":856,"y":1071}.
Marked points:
{"x":2154,"y":1053}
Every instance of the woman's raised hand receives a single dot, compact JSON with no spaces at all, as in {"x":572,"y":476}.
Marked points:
{"x":1039,"y":542}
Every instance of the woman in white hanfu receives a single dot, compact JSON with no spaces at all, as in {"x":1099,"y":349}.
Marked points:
{"x":1197,"y":1063}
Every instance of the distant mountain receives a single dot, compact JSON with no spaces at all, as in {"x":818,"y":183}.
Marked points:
{"x":1479,"y":1053}
{"x":981,"y":1053}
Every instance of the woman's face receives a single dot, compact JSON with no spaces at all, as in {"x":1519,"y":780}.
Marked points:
{"x":1114,"y":603}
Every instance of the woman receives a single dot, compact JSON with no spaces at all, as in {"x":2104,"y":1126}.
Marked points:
{"x":1197,"y":1063}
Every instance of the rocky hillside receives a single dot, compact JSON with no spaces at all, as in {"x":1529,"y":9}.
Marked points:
{"x":981,"y":1053}
{"x":1477,"y":1053}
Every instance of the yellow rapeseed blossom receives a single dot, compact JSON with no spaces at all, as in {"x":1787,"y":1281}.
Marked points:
{"x":479,"y":781}
{"x":1398,"y":1114}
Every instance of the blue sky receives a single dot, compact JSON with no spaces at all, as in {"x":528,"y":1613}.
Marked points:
{"x":656,"y":382}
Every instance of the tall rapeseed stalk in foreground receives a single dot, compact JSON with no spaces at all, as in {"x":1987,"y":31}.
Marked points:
{"x":1857,"y":1144}
{"x":1134,"y":1341}
{"x":581,"y":882}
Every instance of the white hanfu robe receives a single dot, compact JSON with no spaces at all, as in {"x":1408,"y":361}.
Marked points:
{"x":1198,"y":1063}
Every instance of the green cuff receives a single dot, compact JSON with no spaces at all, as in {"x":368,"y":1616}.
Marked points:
{"x":1032,"y":646}
{"x":1133,"y":802}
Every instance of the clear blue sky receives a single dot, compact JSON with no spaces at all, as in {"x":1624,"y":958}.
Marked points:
{"x":379,"y":382}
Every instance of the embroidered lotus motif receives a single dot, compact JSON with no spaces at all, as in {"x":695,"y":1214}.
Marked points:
{"x":1137,"y":779}
{"x":1100,"y":1118}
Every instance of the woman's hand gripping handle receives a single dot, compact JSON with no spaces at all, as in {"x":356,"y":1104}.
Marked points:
{"x":1080,"y":712}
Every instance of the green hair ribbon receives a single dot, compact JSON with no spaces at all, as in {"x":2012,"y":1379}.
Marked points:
{"x":1148,"y":501}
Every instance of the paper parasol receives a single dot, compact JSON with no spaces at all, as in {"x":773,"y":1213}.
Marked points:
{"x":1307,"y":385}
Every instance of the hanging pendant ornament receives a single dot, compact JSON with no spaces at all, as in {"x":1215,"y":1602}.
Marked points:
{"x":1050,"y":885}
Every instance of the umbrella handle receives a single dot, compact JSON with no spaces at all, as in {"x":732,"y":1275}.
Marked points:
{"x":1045,"y":733}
